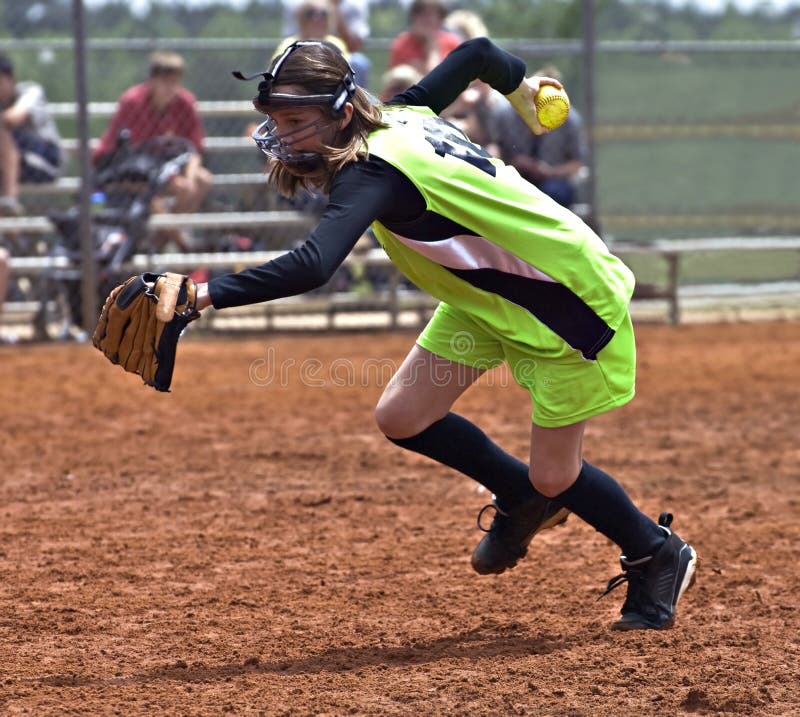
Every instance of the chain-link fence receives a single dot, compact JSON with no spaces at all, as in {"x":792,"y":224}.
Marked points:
{"x":689,"y":139}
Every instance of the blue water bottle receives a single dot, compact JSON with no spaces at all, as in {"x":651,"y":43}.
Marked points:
{"x":98,"y":202}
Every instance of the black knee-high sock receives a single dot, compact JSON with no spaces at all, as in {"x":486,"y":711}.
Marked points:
{"x":603,"y":503}
{"x":460,"y":444}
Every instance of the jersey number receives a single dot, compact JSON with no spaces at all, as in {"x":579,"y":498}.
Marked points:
{"x":446,"y":139}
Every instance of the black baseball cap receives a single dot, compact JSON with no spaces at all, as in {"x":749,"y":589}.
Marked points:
{"x":6,"y":66}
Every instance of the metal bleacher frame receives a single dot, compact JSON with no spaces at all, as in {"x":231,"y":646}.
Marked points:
{"x":394,"y":300}
{"x":394,"y":303}
{"x":672,"y":252}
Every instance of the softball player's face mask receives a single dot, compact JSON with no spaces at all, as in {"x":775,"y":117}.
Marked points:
{"x":279,"y":145}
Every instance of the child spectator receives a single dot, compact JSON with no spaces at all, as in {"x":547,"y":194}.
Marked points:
{"x":159,"y":107}
{"x":349,"y":22}
{"x":313,"y":21}
{"x":471,"y":112}
{"x":466,"y":24}
{"x":397,"y":80}
{"x":30,"y":148}
{"x":426,"y":43}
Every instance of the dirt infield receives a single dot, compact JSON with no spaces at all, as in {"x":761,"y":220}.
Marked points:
{"x":250,"y":545}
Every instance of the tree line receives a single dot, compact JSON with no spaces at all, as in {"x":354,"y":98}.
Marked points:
{"x":616,"y":19}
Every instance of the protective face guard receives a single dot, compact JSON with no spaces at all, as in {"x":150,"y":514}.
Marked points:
{"x":278,"y":146}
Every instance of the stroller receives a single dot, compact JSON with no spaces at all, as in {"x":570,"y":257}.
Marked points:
{"x":124,"y":188}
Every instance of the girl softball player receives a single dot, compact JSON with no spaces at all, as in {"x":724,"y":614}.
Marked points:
{"x":521,"y":280}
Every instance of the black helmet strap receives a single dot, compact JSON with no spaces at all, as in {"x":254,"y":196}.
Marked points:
{"x":336,"y":100}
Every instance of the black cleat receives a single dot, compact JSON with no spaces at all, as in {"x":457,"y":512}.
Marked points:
{"x":508,"y":537}
{"x":655,"y":583}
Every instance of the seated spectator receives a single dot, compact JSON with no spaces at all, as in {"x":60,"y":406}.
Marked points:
{"x":471,"y":110}
{"x":159,"y":107}
{"x":396,"y":80}
{"x":30,"y":149}
{"x":313,"y":19}
{"x":551,"y":161}
{"x":349,"y":21}
{"x":466,"y":24}
{"x":426,"y":43}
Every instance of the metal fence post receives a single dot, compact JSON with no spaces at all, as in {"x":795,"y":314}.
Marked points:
{"x":588,"y":58}
{"x":88,"y":269}
{"x":394,"y":299}
{"x":674,"y":279}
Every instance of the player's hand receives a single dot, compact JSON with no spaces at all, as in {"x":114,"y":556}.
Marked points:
{"x":523,"y":100}
{"x":141,"y":322}
{"x":202,"y":296}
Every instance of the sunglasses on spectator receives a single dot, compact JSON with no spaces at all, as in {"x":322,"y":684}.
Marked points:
{"x":166,"y":72}
{"x":314,"y":12}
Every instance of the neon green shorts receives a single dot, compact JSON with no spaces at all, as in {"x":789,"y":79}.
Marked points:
{"x":565,"y":388}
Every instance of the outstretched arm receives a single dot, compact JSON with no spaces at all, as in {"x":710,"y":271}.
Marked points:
{"x":358,"y":196}
{"x":478,"y":59}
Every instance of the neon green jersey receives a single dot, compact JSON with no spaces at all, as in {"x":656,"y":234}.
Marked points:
{"x":522,"y":265}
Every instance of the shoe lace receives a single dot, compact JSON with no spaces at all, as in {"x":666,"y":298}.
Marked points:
{"x":635,"y":579}
{"x":497,"y":520}
{"x":615,"y":582}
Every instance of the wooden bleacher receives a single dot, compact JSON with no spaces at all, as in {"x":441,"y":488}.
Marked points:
{"x":200,"y":220}
{"x":393,"y":302}
{"x":71,"y":185}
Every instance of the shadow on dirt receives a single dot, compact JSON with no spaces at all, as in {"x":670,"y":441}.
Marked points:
{"x":486,"y":641}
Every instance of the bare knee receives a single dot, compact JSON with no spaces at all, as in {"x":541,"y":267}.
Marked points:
{"x":9,"y":154}
{"x":396,"y":420}
{"x":205,"y":181}
{"x":180,"y":187}
{"x":4,"y":256}
{"x":552,"y":480}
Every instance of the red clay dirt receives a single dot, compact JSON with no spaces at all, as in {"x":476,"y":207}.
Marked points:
{"x":249,"y":544}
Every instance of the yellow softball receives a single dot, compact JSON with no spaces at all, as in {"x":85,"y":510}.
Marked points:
{"x":552,"y":106}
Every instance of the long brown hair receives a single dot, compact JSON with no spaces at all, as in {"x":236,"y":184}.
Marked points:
{"x":319,"y":69}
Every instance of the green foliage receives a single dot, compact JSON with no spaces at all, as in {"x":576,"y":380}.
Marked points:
{"x":691,"y":175}
{"x":616,"y":19}
{"x":719,"y":266}
{"x":695,"y":87}
{"x":386,"y":19}
{"x":522,"y":18}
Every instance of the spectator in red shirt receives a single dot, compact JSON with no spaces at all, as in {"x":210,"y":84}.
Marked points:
{"x":425,"y":44}
{"x":158,"y":107}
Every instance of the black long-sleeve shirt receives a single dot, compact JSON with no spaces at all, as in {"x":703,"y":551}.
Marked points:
{"x":370,"y":189}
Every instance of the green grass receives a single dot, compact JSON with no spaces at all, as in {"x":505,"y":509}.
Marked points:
{"x":694,"y":175}
{"x":699,"y":176}
{"x":723,"y":266}
{"x":712,"y":87}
